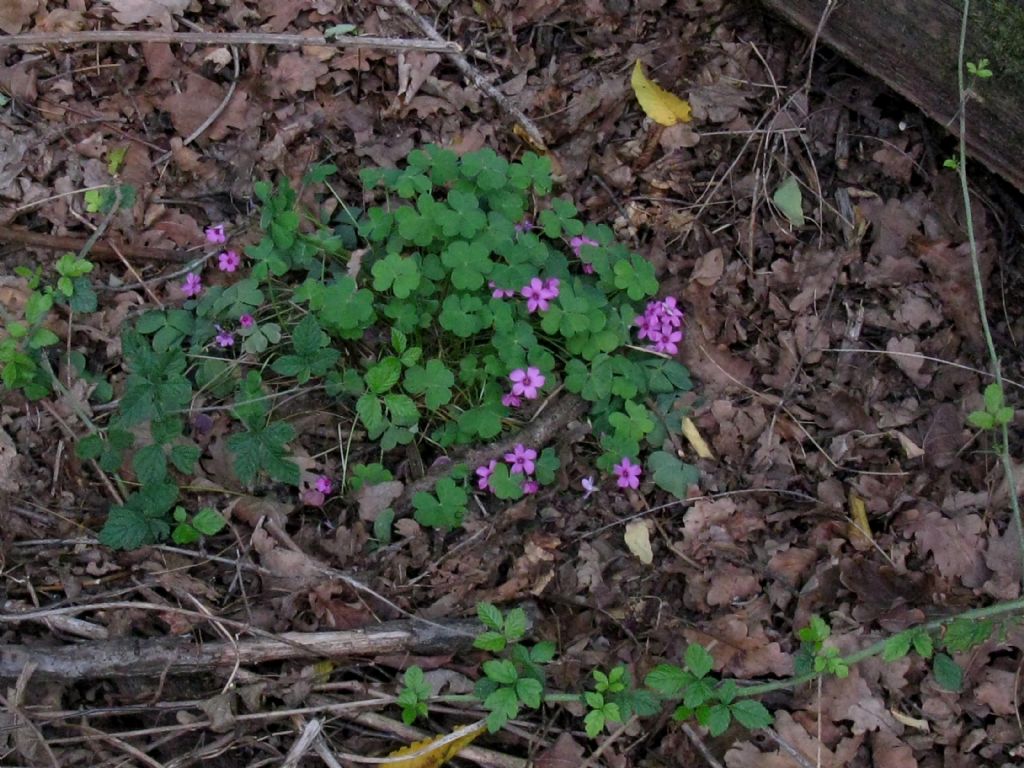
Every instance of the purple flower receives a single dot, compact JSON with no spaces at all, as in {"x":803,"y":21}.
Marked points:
{"x":628,"y":474}
{"x":484,"y":473}
{"x":588,"y":269}
{"x":324,"y":485}
{"x":228,"y":261}
{"x":530,"y":486}
{"x":588,"y":486}
{"x":193,"y":285}
{"x":661,"y":324}
{"x":526,"y":383}
{"x":522,"y":459}
{"x":216,"y":234}
{"x":510,"y":400}
{"x":551,"y":288}
{"x":247,"y":321}
{"x":524,"y":226}
{"x":536,"y":295}
{"x":500,"y":293}
{"x":224,"y":338}
{"x":577,"y":244}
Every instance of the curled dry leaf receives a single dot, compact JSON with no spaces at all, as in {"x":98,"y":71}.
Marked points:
{"x":662,"y":107}
{"x":638,"y":539}
{"x":16,"y":14}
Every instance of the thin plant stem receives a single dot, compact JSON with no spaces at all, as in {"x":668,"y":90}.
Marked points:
{"x":1004,"y":447}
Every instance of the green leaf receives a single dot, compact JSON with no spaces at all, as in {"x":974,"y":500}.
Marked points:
{"x":948,"y":673}
{"x":670,"y":474}
{"x":515,"y":624}
{"x":716,"y":719}
{"x":208,"y":521}
{"x":594,"y":723}
{"x":43,"y":337}
{"x":503,"y":705}
{"x":399,"y":274}
{"x":993,"y":396}
{"x":150,"y":464}
{"x":371,"y":413}
{"x":897,"y":646}
{"x":668,"y":680}
{"x":981,"y":420}
{"x":490,"y":641}
{"x":442,"y":511}
{"x":467,"y":264}
{"x":383,"y":375}
{"x":434,"y":381}
{"x":529,"y":692}
{"x":382,"y":526}
{"x":923,"y":644}
{"x":789,"y":200}
{"x":751,"y":714}
{"x":307,"y":337}
{"x":501,"y":671}
{"x":184,"y":534}
{"x":964,"y":634}
{"x":543,"y":652}
{"x":490,"y":616}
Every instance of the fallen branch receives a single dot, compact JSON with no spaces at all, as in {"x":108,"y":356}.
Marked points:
{"x":223,"y":38}
{"x":153,"y":657}
{"x":99,"y":252}
{"x":540,"y":432}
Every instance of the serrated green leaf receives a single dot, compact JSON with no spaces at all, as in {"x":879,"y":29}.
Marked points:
{"x":529,"y":692}
{"x":515,"y":624}
{"x":948,"y":673}
{"x":490,"y":616}
{"x":751,"y":714}
{"x":150,"y":464}
{"x":897,"y":646}
{"x":501,"y":671}
{"x":383,"y":375}
{"x":668,"y":680}
{"x":490,"y":641}
{"x":208,"y":521}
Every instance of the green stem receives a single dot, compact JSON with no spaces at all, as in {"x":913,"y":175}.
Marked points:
{"x":876,"y":648}
{"x":979,"y":288}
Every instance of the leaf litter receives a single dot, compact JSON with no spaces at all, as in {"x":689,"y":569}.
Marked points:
{"x":784,"y":430}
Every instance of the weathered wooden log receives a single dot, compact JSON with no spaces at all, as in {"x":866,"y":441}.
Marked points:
{"x":913,"y":46}
{"x":157,"y":656}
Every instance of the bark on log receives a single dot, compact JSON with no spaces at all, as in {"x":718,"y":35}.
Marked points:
{"x":912,"y":46}
{"x":153,"y":657}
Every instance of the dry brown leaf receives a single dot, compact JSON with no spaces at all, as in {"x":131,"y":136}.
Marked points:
{"x":564,"y":753}
{"x":374,"y":499}
{"x":131,"y":12}
{"x":295,"y":72}
{"x":638,"y":540}
{"x":955,"y":544}
{"x":887,"y":751}
{"x":16,"y":14}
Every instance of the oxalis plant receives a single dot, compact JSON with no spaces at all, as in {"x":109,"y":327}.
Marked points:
{"x":444,"y":316}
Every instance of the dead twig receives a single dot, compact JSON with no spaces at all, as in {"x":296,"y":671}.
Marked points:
{"x":225,"y":38}
{"x":699,"y":745}
{"x":99,"y":251}
{"x":474,"y":76}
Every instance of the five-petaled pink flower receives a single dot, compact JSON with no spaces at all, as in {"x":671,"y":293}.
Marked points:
{"x":510,"y":400}
{"x":247,"y":321}
{"x":324,"y":485}
{"x":193,"y":285}
{"x":661,"y":324}
{"x":628,"y":474}
{"x":224,"y":338}
{"x":526,"y":382}
{"x":484,"y":473}
{"x":216,"y":234}
{"x":522,"y":459}
{"x":539,"y":292}
{"x":228,"y":261}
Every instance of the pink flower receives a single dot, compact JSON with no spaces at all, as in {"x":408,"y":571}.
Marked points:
{"x":577,"y":244}
{"x":588,"y":269}
{"x":228,"y":261}
{"x":551,"y":288}
{"x":530,"y":486}
{"x":324,"y":485}
{"x":510,"y":400}
{"x":224,"y":338}
{"x":628,"y":474}
{"x":484,"y":473}
{"x":588,"y":486}
{"x":247,"y":321}
{"x":216,"y":234}
{"x":193,"y":285}
{"x":500,"y":293}
{"x":524,"y":226}
{"x":536,"y":295}
{"x":526,"y":383}
{"x":522,"y":459}
{"x":661,"y":324}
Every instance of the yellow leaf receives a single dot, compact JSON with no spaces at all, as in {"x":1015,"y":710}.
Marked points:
{"x":436,"y":751}
{"x":658,"y":104}
{"x":858,"y":531}
{"x":693,"y":436}
{"x":638,"y":539}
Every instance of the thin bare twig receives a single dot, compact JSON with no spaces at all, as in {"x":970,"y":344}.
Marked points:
{"x":224,"y":38}
{"x":471,"y":72}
